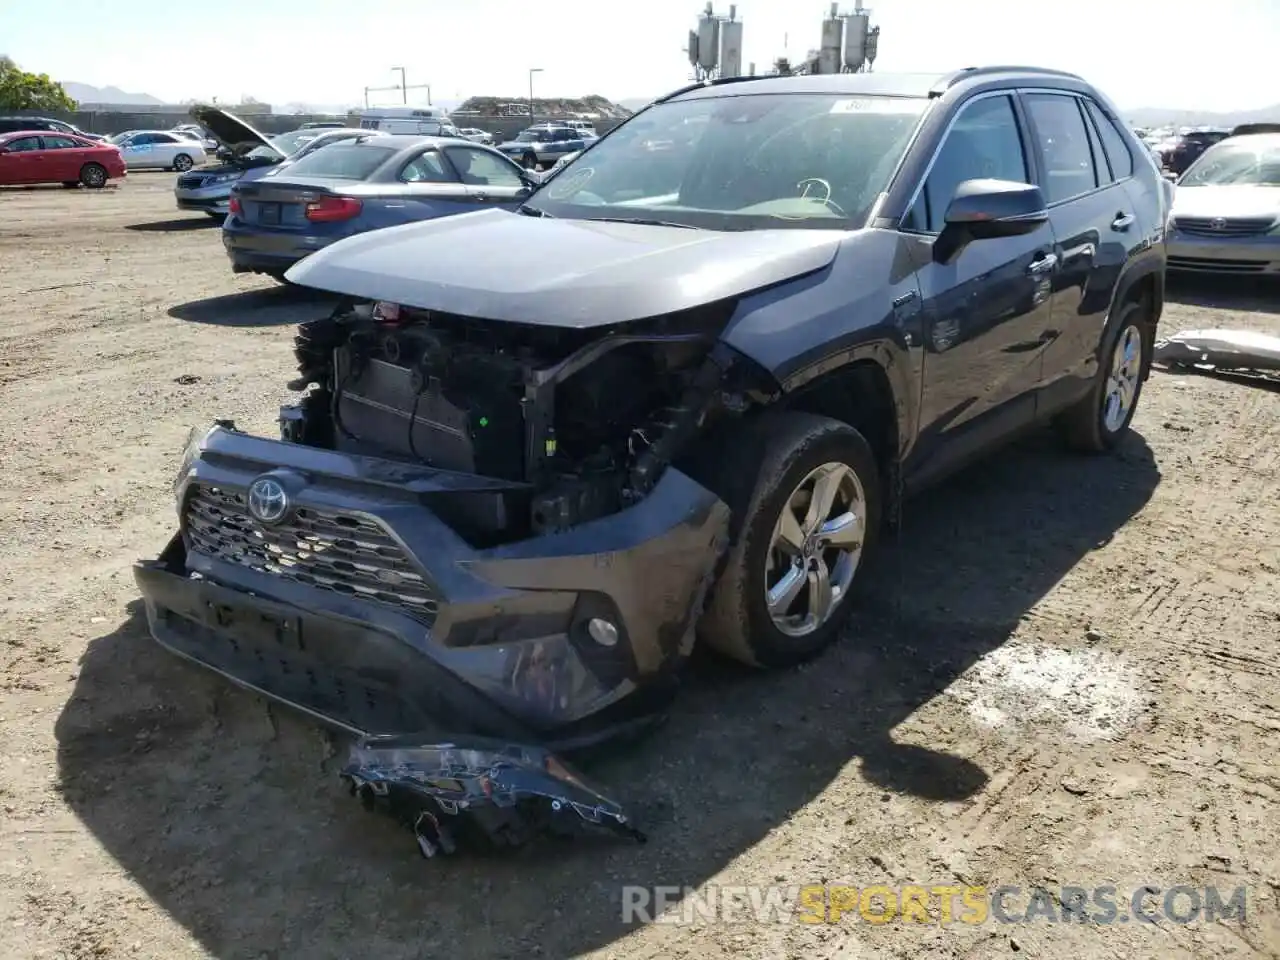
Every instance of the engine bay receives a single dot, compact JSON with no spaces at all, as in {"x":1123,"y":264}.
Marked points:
{"x":576,"y":424}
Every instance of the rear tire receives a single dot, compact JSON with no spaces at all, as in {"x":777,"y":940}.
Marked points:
{"x":182,"y":163}
{"x":762,"y":468}
{"x":93,"y":176}
{"x":529,"y":161}
{"x":1097,"y":422}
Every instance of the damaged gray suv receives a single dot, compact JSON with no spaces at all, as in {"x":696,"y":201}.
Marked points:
{"x":538,"y":455}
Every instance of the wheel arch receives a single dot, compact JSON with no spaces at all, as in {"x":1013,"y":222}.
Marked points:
{"x":1143,"y":284}
{"x":863,"y":394}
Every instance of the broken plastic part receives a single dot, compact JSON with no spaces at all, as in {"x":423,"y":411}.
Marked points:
{"x":475,"y":788}
{"x":1233,"y":351}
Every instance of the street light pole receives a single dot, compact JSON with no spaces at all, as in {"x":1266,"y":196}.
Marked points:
{"x":404,"y":89}
{"x":532,"y":71}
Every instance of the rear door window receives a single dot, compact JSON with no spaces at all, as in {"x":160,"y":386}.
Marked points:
{"x":24,"y":144}
{"x":345,"y":161}
{"x":1063,"y":141}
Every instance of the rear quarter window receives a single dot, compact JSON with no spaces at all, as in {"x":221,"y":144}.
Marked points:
{"x":345,"y":161}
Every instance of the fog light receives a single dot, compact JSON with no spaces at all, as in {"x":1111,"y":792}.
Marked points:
{"x":602,"y":632}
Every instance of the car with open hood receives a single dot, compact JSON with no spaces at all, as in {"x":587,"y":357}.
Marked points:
{"x":1226,"y":209}
{"x":539,"y":454}
{"x":241,"y":148}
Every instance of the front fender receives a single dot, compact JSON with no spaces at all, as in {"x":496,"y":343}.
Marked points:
{"x":863,"y":306}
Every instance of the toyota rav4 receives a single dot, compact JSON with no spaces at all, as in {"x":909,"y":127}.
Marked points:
{"x":538,"y":455}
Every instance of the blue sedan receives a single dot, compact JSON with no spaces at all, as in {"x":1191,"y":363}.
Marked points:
{"x":356,"y":186}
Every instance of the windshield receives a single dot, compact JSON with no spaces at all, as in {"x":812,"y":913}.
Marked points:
{"x":345,"y":161}
{"x":286,"y":143}
{"x":1236,"y":164}
{"x":741,"y":162}
{"x":119,"y":137}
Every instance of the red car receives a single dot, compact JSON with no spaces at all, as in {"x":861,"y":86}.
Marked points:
{"x":40,"y":156}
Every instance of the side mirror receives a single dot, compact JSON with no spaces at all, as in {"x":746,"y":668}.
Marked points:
{"x":988,"y":210}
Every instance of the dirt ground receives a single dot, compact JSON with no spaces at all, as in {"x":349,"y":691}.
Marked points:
{"x":1071,"y":677}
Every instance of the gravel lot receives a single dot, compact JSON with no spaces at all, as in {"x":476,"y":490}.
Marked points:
{"x":1083,"y":688}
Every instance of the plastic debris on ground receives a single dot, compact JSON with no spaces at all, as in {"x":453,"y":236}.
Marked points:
{"x":1237,"y":353}
{"x":476,"y":792}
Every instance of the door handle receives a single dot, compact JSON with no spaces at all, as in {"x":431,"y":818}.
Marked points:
{"x":1123,"y":221}
{"x":1043,"y":264}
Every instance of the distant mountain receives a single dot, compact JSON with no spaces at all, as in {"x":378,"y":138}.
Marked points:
{"x":88,"y":93}
{"x":1173,"y":117}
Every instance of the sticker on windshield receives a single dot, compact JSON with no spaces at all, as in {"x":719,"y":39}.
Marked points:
{"x":870,"y":105}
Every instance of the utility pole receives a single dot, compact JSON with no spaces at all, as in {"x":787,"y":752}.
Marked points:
{"x":404,"y":89}
{"x":416,"y":86}
{"x":532,"y":71}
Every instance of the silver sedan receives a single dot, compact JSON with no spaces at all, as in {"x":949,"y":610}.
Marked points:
{"x":1226,"y":209}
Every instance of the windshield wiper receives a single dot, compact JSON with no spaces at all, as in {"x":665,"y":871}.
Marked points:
{"x":643,"y":222}
{"x":529,"y":211}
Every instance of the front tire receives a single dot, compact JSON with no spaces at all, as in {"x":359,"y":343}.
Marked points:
{"x":93,"y":176}
{"x":182,"y":163}
{"x":1098,"y":421}
{"x":805,"y":497}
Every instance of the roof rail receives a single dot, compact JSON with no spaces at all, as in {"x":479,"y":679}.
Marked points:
{"x":951,"y":79}
{"x":719,"y":81}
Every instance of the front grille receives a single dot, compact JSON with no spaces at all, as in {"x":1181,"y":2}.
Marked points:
{"x":190,"y":182}
{"x":1206,"y":265}
{"x":1224,"y":226}
{"x":339,"y":552}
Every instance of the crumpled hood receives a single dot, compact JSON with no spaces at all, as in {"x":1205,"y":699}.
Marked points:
{"x":1226,"y":201}
{"x":498,"y":265}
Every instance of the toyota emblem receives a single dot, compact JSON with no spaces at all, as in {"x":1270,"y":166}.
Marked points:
{"x":1218,"y":223}
{"x":268,"y":501}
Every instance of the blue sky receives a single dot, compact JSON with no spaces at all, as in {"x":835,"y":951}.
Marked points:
{"x":1219,"y":55}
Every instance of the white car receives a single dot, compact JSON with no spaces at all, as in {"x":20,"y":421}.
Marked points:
{"x":210,"y":145}
{"x":476,"y":135}
{"x":158,"y":150}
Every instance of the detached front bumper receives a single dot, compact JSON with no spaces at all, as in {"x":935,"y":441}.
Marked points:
{"x":325,"y":611}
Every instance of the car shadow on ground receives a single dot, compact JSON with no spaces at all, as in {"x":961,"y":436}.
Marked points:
{"x":179,"y":225}
{"x":264,"y":307}
{"x":230,"y":817}
{"x":1254,"y":294}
